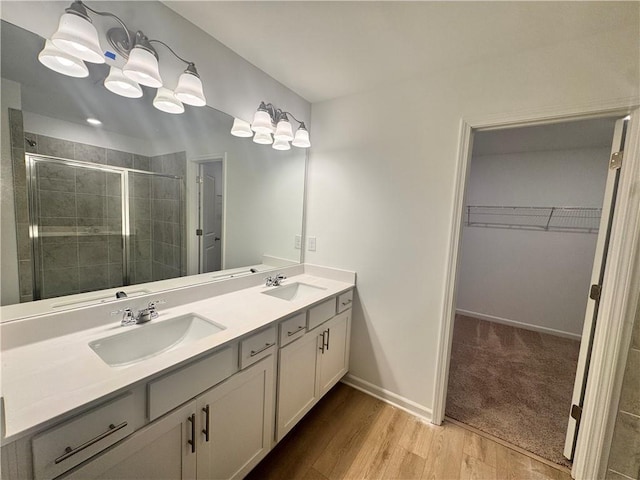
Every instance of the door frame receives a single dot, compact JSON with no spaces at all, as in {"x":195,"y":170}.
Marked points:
{"x":617,"y":305}
{"x":198,"y":161}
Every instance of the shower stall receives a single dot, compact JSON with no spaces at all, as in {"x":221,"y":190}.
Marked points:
{"x":94,"y":226}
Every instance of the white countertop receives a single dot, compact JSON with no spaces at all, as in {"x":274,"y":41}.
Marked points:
{"x":43,"y":380}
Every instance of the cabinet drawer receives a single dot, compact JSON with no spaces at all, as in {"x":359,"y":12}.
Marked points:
{"x":345,"y":301}
{"x":321,"y":313}
{"x":257,"y":346}
{"x":177,"y":387}
{"x":71,"y":443}
{"x":292,"y":329}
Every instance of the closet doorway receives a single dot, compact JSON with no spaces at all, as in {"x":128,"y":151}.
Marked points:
{"x":532,"y":225}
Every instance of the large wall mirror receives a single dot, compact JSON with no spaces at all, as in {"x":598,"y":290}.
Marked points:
{"x":142,"y":200}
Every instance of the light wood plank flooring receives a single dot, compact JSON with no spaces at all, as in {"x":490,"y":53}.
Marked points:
{"x":351,"y":435}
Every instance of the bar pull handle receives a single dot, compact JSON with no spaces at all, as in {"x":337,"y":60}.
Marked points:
{"x":192,"y":442}
{"x":347,"y":302}
{"x":322,"y":343}
{"x":256,"y":352}
{"x":205,"y":430}
{"x":295,"y":331}
{"x":69,"y":452}
{"x":328,"y":334}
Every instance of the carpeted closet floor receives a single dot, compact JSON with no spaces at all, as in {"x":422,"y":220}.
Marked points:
{"x":512,"y":383}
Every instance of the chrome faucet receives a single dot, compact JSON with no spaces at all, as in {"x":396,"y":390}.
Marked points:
{"x":142,"y":316}
{"x":274,"y":281}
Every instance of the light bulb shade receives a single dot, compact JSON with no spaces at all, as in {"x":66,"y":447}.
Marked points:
{"x":302,"y":138}
{"x":78,"y":37}
{"x":142,"y":67}
{"x":262,"y":122}
{"x":60,"y":61}
{"x":263,"y":138}
{"x":281,"y":144}
{"x":167,"y":102}
{"x":116,"y":82}
{"x":189,"y":90}
{"x":283,"y":131}
{"x":241,"y":128}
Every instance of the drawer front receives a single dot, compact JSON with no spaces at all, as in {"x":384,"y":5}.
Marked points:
{"x":321,"y":313}
{"x":345,"y":301}
{"x":62,"y":447}
{"x":174,"y":389}
{"x":257,"y":346}
{"x":293,"y":328}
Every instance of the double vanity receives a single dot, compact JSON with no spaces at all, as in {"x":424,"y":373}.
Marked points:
{"x":205,"y":390}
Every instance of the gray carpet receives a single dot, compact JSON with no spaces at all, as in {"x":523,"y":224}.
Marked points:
{"x":512,"y":383}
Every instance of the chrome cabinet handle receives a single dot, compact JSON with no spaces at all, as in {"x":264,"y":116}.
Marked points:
{"x":192,"y":442}
{"x":328,"y":334}
{"x":205,"y":430}
{"x":295,"y":331}
{"x":253,"y":353}
{"x":347,"y":302}
{"x":68,"y":452}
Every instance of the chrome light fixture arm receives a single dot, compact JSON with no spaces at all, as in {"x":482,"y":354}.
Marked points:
{"x":78,"y":7}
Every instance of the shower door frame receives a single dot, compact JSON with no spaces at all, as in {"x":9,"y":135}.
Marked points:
{"x":34,"y":211}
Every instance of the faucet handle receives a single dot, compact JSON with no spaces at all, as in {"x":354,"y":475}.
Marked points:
{"x":151,"y":308}
{"x":127,"y":316}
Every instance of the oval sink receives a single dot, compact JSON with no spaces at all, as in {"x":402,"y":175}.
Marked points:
{"x":152,"y":339}
{"x":294,"y":291}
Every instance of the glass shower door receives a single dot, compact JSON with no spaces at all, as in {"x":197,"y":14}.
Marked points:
{"x":77,"y":226}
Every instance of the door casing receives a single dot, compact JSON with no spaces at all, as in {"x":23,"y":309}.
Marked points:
{"x":617,"y":305}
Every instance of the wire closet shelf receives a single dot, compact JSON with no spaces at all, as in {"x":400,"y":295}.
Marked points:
{"x":555,"y":219}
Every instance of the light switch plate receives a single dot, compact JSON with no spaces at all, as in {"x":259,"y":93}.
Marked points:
{"x":312,"y":244}
{"x":298,"y":242}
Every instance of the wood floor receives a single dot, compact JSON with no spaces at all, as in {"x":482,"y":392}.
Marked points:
{"x":351,"y":435}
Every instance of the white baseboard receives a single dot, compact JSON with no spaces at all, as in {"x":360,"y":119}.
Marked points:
{"x":391,"y":398}
{"x":514,"y":323}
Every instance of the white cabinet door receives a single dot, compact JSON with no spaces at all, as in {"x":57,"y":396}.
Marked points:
{"x":160,"y":450}
{"x":235,"y":426}
{"x":333,"y":357}
{"x":297,"y":391}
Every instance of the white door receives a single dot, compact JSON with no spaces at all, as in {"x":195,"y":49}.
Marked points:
{"x":597,"y":275}
{"x":211,"y":199}
{"x":334,"y":357}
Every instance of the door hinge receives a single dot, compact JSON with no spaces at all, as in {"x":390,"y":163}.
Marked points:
{"x":616,"y":160}
{"x":199,"y":180}
{"x":576,"y":412}
{"x":594,"y":293}
{"x":199,"y":232}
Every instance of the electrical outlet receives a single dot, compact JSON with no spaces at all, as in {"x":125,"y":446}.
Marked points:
{"x":312,"y":244}
{"x":298,"y":242}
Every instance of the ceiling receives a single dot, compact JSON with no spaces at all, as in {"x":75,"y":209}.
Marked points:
{"x":324,"y":50}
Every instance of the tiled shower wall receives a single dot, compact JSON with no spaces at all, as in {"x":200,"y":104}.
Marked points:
{"x":78,"y":263}
{"x":624,"y":457}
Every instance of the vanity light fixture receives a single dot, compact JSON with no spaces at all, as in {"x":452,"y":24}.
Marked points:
{"x":268,"y":120}
{"x":77,"y":41}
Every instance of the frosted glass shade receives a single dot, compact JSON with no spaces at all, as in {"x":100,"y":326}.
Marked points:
{"x":263,"y":138}
{"x":78,"y":37}
{"x":301,"y":139}
{"x":283,"y":131}
{"x":281,"y":144}
{"x":116,"y":82}
{"x":262,"y":122}
{"x":167,"y":102}
{"x":241,"y":128}
{"x":60,"y":61}
{"x":189,"y":90}
{"x":142,"y":67}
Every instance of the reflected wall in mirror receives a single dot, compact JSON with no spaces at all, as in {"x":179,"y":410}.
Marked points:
{"x":145,"y":196}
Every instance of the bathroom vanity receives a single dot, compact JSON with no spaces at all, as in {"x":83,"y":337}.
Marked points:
{"x":240,"y":365}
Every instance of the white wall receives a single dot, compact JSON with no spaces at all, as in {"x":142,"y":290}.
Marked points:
{"x":9,"y":291}
{"x":536,"y":278}
{"x":381,"y":192}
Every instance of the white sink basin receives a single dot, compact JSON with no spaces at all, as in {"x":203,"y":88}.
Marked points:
{"x":294,"y":291}
{"x":151,"y":339}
